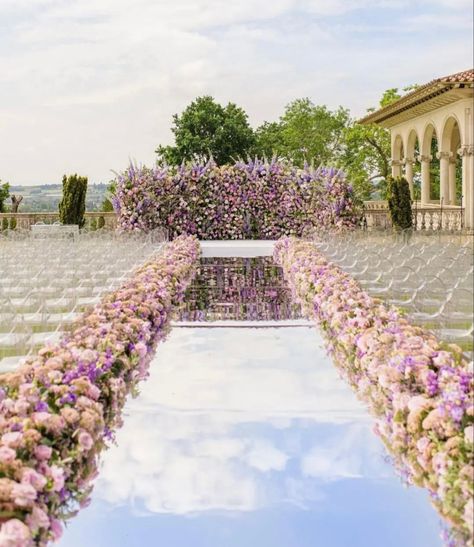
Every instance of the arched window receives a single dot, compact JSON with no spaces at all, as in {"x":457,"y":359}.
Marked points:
{"x":450,"y":144}
{"x":430,"y":170}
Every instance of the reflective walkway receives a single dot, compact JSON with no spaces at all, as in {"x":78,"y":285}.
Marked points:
{"x":248,"y":438}
{"x":238,"y":289}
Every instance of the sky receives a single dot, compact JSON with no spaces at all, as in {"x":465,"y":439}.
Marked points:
{"x":88,"y":85}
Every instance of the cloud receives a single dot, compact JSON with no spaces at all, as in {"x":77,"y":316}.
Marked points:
{"x":265,"y":457}
{"x":101,"y":79}
{"x":334,"y":458}
{"x":216,"y":427}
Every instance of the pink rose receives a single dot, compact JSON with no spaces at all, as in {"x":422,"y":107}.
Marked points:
{"x":41,"y":418}
{"x":37,"y":519}
{"x":419,"y":402}
{"x":469,"y":434}
{"x":93,"y":392}
{"x":85,"y":440}
{"x":22,"y":406}
{"x":7,"y":454}
{"x":12,"y":438}
{"x":30,"y":476}
{"x":56,"y":529}
{"x":23,"y":494}
{"x":43,"y":452}
{"x":14,"y":533}
{"x":57,"y":474}
{"x":141,"y":349}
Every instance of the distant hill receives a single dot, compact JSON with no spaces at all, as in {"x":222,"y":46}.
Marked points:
{"x":46,"y":197}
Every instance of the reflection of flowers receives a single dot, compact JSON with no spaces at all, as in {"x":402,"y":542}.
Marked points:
{"x":58,"y":410}
{"x":420,"y":391}
{"x":238,"y":288}
{"x":254,"y":200}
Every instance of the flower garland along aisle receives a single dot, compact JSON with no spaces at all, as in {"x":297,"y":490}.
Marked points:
{"x":420,"y":390}
{"x":59,"y":410}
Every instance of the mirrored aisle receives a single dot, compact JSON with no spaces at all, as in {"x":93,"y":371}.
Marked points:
{"x":247,"y":437}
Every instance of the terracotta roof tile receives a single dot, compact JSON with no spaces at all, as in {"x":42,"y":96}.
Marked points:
{"x":420,"y":94}
{"x":459,"y":77}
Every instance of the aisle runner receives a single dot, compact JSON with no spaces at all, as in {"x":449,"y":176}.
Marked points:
{"x":247,"y":437}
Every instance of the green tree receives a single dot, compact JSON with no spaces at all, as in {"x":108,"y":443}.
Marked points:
{"x":107,"y":206}
{"x":393,"y":94}
{"x":390,"y":96}
{"x":305,"y":133}
{"x":269,"y":140}
{"x":4,"y":193}
{"x":73,"y":203}
{"x":366,"y":156}
{"x":399,"y":203}
{"x":367,"y":151}
{"x":206,"y":128}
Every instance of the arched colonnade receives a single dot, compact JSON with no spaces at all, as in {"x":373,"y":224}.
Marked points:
{"x":420,"y":143}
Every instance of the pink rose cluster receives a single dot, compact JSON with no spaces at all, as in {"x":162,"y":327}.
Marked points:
{"x":419,"y":389}
{"x":254,"y":200}
{"x":59,"y":410}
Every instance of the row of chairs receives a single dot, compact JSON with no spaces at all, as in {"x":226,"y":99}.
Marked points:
{"x":45,"y":284}
{"x":431,"y":281}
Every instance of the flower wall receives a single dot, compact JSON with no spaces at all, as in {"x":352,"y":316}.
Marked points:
{"x":59,"y":410}
{"x":419,"y":390}
{"x":255,"y":200}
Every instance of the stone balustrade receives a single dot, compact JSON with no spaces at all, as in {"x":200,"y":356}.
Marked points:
{"x":375,"y":205}
{"x":24,"y":221}
{"x":377,"y":217}
{"x":430,"y":219}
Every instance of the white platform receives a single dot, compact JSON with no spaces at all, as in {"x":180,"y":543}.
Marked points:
{"x":239,"y":248}
{"x":239,"y":324}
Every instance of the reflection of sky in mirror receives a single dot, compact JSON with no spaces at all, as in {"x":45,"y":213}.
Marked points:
{"x":245,"y":437}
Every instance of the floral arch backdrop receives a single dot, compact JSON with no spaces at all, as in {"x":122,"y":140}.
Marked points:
{"x":253,"y":200}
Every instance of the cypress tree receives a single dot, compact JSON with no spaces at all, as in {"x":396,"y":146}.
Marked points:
{"x":399,"y":203}
{"x":73,"y":203}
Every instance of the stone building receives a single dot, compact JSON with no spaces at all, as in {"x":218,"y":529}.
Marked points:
{"x":440,"y":111}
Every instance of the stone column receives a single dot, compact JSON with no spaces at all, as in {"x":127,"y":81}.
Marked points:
{"x":467,"y":154}
{"x":409,"y":162}
{"x":425,"y":179}
{"x":396,"y":168}
{"x":443,"y":176}
{"x":452,"y":181}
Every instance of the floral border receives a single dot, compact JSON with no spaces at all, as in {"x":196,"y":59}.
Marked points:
{"x":419,"y":389}
{"x":59,"y":410}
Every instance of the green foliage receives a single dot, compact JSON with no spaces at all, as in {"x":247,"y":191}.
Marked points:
{"x":93,"y":225}
{"x":399,"y":203}
{"x":73,"y":204}
{"x":392,"y":95}
{"x":4,"y":223}
{"x":100,"y":223}
{"x":365,"y":157}
{"x":13,"y":223}
{"x":107,"y":206}
{"x":305,"y":133}
{"x":314,"y":134}
{"x":4,"y":193}
{"x":206,"y":128}
{"x":366,"y":154}
{"x":269,"y":140}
